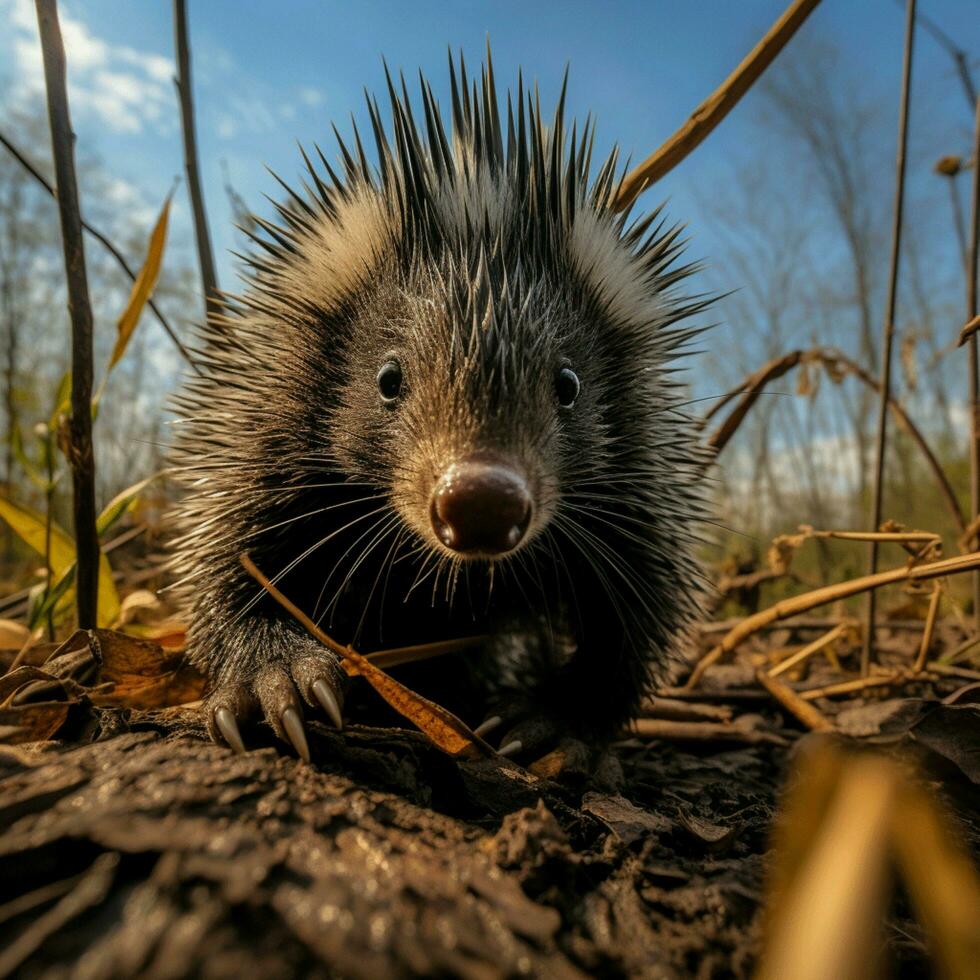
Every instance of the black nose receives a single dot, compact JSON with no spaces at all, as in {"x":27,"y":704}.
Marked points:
{"x":481,"y":504}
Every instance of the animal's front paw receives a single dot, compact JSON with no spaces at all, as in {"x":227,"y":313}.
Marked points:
{"x":277,"y":691}
{"x":551,"y":747}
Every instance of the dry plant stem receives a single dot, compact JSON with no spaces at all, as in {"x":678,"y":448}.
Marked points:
{"x":969,"y":329}
{"x":445,"y":730}
{"x":795,"y":605}
{"x":81,"y":455}
{"x":209,"y":280}
{"x":751,"y":388}
{"x":815,"y":647}
{"x":826,"y":920}
{"x":888,"y":332}
{"x":49,"y":451}
{"x":794,"y":704}
{"x":700,"y":731}
{"x":969,"y":535}
{"x":929,"y":629}
{"x":711,"y":112}
{"x":422,"y":651}
{"x":965,"y":647}
{"x":106,"y":244}
{"x":950,"y":671}
{"x":941,"y":881}
{"x":853,"y":686}
{"x":897,"y":537}
{"x":973,"y":356}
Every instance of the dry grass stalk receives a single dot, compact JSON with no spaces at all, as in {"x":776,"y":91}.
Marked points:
{"x":973,"y":347}
{"x":848,"y":823}
{"x":422,"y":651}
{"x":888,"y":333}
{"x":815,"y":647}
{"x":948,"y":670}
{"x":829,"y":593}
{"x":701,"y":731}
{"x":815,"y":720}
{"x":929,"y":629}
{"x":826,"y":915}
{"x":855,"y":685}
{"x":711,"y":112}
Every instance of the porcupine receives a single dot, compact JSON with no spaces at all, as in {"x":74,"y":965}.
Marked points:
{"x":446,"y":404}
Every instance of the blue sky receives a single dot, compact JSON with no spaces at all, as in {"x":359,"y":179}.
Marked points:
{"x":267,"y":74}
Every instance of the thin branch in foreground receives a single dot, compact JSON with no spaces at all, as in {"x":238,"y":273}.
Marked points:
{"x":103,"y":241}
{"x":888,"y":332}
{"x":80,"y":452}
{"x":711,"y":112}
{"x":185,"y":96}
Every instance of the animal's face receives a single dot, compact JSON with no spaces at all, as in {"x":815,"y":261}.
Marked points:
{"x":470,"y":404}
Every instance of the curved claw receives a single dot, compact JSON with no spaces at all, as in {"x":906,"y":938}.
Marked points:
{"x":511,"y":748}
{"x":488,"y":725}
{"x":226,"y":724}
{"x":293,"y":726}
{"x":328,"y":701}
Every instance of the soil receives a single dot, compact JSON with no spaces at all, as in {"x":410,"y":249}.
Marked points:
{"x":131,"y":846}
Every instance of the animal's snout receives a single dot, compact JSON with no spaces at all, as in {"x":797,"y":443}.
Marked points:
{"x":481,"y":505}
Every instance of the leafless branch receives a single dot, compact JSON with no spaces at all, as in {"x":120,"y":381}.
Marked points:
{"x":185,"y":96}
{"x":80,"y":452}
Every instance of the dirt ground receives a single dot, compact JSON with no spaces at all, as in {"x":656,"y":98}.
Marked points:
{"x":132,"y":846}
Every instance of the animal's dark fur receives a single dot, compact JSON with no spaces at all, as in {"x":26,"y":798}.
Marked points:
{"x":485,"y":264}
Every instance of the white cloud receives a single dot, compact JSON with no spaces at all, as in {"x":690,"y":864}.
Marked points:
{"x":129,"y":199}
{"x":311,"y":97}
{"x":227,"y":128}
{"x":124,"y":88}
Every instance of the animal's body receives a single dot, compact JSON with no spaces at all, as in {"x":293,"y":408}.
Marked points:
{"x":443,"y":406}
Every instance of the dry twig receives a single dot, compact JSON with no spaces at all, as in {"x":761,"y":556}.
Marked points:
{"x":829,"y":593}
{"x":811,"y":648}
{"x":711,"y":112}
{"x":794,"y":704}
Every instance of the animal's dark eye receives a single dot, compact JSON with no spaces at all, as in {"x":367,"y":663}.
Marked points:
{"x":567,"y":387}
{"x":390,"y":380}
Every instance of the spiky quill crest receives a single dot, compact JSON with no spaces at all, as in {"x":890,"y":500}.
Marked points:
{"x":489,"y":257}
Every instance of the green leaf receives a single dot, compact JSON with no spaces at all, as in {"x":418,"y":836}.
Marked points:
{"x":29,"y":525}
{"x":62,"y":401}
{"x":63,"y":589}
{"x":33,"y":473}
{"x":121,"y":503}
